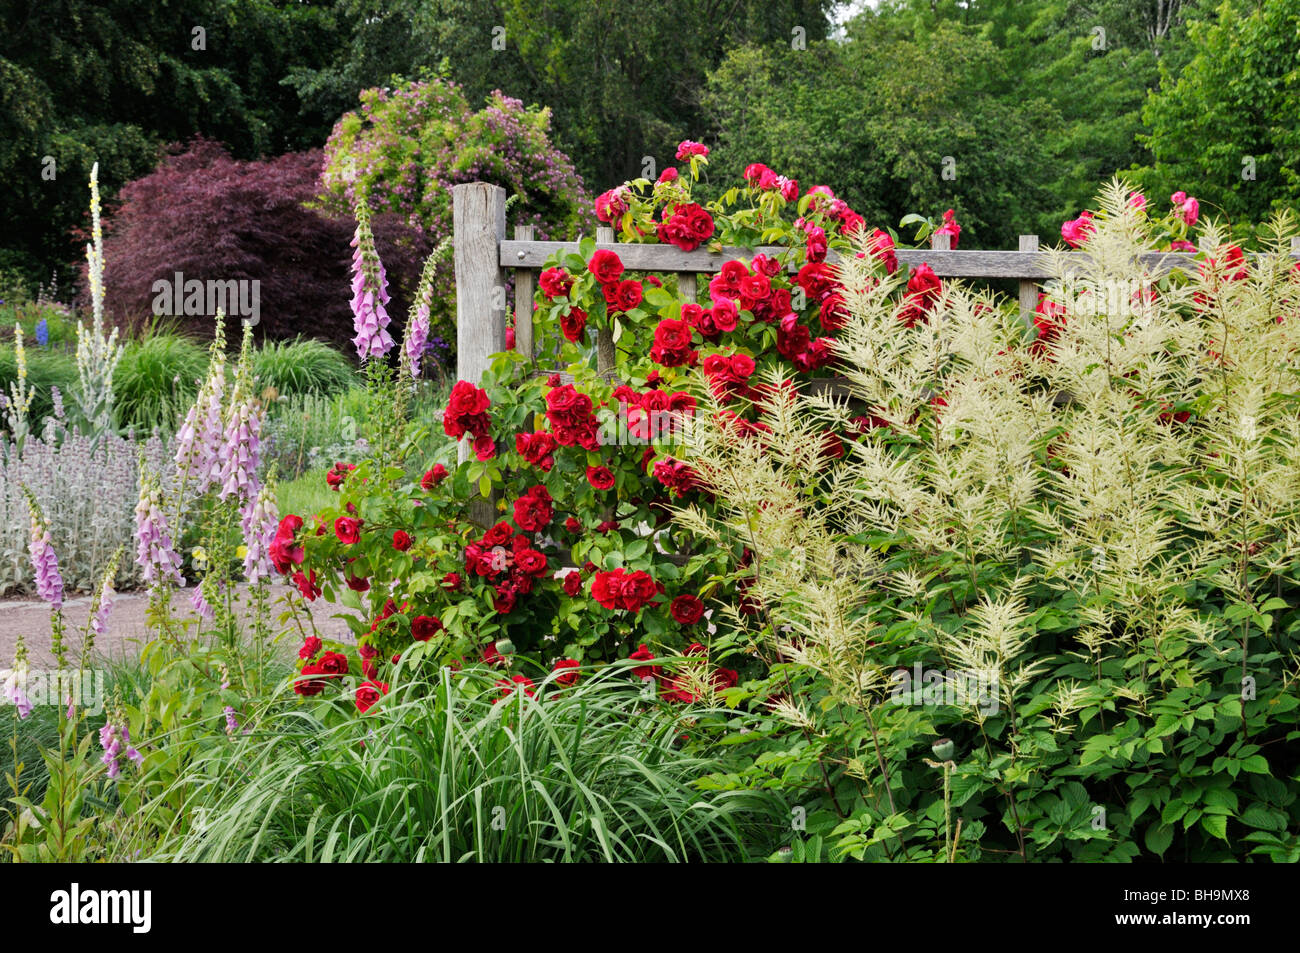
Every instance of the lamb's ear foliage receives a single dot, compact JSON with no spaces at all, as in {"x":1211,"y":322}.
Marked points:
{"x":1102,"y":518}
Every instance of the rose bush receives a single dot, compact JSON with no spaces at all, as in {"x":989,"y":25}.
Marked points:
{"x":575,"y":561}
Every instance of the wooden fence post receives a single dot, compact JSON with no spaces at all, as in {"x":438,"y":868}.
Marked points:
{"x":1028,"y":288}
{"x":524,"y":282}
{"x":479,"y":225}
{"x":941,"y":242}
{"x":606,"y":357}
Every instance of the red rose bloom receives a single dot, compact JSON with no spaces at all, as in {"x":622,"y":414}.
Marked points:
{"x":619,"y":589}
{"x":643,"y":654}
{"x":882,"y":247}
{"x":368,"y":693}
{"x":310,"y":646}
{"x":425,"y":627}
{"x":672,"y":344}
{"x":573,"y":583}
{"x":516,"y":682}
{"x":533,"y":510}
{"x":309,"y":685}
{"x":566,"y":672}
{"x":433,"y":476}
{"x":333,"y":663}
{"x":687,"y":609}
{"x":572,"y":525}
{"x":606,"y":266}
{"x":338,"y":473}
{"x":504,"y":601}
{"x":724,"y":315}
{"x":307,"y":585}
{"x":531,"y":561}
{"x":573,"y":324}
{"x":602,"y":478}
{"x":284,"y":550}
{"x":537,"y":448}
{"x":554,"y":282}
{"x":401,"y":541}
{"x":347,"y":529}
{"x":466,"y":411}
{"x":622,"y":295}
{"x":451,"y":581}
{"x":485,"y":448}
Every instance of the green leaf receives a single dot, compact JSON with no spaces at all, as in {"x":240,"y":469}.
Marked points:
{"x":1158,"y":838}
{"x":1216,"y":825}
{"x":1257,"y":815}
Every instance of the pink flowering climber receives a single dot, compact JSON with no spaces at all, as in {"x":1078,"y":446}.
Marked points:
{"x":155,"y":552}
{"x":369,"y":292}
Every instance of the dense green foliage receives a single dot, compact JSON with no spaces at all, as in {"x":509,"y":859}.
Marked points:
{"x":1035,"y":100}
{"x":1230,"y":121}
{"x":87,"y":80}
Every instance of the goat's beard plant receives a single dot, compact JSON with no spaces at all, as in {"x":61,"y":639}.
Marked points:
{"x":574,"y":560}
{"x":1083,"y":538}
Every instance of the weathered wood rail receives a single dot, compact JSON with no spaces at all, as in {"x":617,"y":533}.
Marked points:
{"x":484,"y":255}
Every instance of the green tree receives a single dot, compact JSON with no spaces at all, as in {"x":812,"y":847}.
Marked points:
{"x":904,"y":115}
{"x":1228,"y":128}
{"x":112,"y":81}
{"x":622,"y":78}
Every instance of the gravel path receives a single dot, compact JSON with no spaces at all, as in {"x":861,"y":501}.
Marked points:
{"x":127,"y":631}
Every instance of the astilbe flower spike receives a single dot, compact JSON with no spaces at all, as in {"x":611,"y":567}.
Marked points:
{"x":369,"y":291}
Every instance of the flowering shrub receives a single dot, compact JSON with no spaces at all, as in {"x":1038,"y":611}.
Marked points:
{"x":405,"y":148}
{"x":1046,"y":606}
{"x":575,"y":560}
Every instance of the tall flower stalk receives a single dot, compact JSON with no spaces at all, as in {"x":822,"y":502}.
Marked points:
{"x":155,"y":551}
{"x":199,"y":440}
{"x":101,"y":605}
{"x":15,"y":682}
{"x":240,"y":451}
{"x":416,"y":336}
{"x":97,"y":352}
{"x":369,"y":290}
{"x":19,"y":401}
{"x":49,"y":582}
